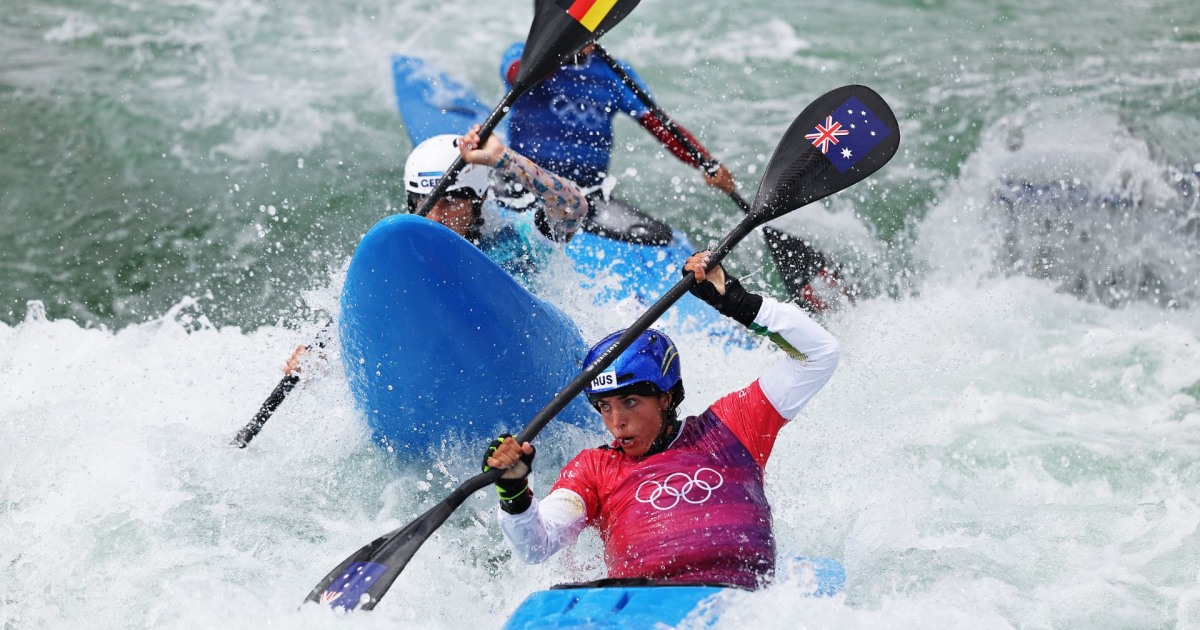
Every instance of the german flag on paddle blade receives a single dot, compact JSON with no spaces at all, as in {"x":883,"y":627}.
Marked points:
{"x":561,"y":28}
{"x":597,"y":16}
{"x":589,"y":13}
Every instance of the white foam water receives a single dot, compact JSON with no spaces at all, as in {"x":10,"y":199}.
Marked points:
{"x":987,"y":451}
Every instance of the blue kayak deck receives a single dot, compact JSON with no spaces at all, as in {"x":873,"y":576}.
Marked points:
{"x":439,"y":342}
{"x":610,"y":607}
{"x":642,"y":604}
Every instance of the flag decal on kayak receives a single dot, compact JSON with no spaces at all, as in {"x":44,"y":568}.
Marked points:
{"x":848,"y":133}
{"x":589,"y":13}
{"x":352,"y":584}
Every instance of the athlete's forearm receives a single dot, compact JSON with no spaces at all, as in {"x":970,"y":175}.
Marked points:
{"x":813,"y":355}
{"x":564,"y":204}
{"x":544,"y":528}
{"x":659,"y":129}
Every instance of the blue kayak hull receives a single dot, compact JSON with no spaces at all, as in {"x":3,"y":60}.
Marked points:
{"x":610,"y":607}
{"x":617,"y":606}
{"x":438,"y":342}
{"x":645,"y":272}
{"x":433,"y":103}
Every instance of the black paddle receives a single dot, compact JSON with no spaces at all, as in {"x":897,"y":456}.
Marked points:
{"x":798,"y":174}
{"x":797,"y":261}
{"x":560,"y":29}
{"x":285,"y":386}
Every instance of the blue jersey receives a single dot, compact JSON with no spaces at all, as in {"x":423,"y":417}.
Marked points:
{"x":565,"y":123}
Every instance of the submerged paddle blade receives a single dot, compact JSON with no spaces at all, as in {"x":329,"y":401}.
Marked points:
{"x":816,"y":284}
{"x":362,"y":579}
{"x":836,"y":142}
{"x":560,"y":29}
{"x":349,"y":585}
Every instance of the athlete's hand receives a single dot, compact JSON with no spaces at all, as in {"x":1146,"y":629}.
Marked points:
{"x":722,"y":291}
{"x":516,"y":459}
{"x":487,"y":154}
{"x":517,"y":462}
{"x":696,"y":263}
{"x":722,"y":180}
{"x":293,"y":363}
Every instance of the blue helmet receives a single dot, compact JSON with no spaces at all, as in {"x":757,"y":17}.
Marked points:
{"x":649,"y":367}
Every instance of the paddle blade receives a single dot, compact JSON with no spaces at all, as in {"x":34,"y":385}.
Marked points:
{"x":836,"y":142}
{"x":363,"y":578}
{"x":816,"y":284}
{"x":560,"y":29}
{"x":350,"y":585}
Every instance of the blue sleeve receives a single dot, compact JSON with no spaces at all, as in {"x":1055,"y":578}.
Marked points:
{"x":512,"y":55}
{"x":629,"y":101}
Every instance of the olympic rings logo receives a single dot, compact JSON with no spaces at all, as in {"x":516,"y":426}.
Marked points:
{"x":578,"y":112}
{"x":680,"y":486}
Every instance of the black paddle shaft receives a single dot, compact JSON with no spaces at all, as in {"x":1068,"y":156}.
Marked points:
{"x":247,"y":433}
{"x":627,"y":338}
{"x":797,"y":175}
{"x":276,"y":398}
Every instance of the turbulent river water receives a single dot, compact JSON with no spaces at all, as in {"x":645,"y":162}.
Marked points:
{"x":1009,"y":441}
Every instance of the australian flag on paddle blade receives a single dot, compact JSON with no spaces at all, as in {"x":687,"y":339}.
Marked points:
{"x":346,"y":592}
{"x":848,"y":133}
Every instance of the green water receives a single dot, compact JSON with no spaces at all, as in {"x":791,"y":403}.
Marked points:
{"x":237,"y":149}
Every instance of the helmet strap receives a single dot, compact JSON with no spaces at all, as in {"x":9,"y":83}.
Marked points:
{"x":475,"y":231}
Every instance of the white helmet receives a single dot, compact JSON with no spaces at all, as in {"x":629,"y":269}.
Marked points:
{"x":429,"y":161}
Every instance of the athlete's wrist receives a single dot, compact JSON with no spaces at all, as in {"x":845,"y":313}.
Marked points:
{"x":736,"y":303}
{"x":515,"y":495}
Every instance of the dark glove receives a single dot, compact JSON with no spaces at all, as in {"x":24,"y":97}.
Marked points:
{"x":515,"y":496}
{"x":737,"y":303}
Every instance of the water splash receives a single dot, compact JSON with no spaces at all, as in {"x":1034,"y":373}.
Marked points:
{"x":35,"y":312}
{"x":1070,"y":194}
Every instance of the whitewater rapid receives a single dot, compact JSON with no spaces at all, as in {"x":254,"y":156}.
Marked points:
{"x":990,"y":451}
{"x":1010,"y":440}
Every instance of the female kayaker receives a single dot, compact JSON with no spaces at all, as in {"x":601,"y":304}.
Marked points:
{"x":681,"y":501}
